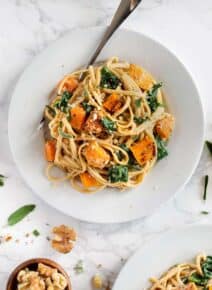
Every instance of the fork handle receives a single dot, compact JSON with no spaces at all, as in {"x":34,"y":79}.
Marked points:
{"x":125,"y":8}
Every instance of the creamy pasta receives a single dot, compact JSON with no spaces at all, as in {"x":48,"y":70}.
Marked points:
{"x":108,"y":129}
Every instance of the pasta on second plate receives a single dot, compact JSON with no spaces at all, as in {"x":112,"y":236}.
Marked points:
{"x":187,"y":276}
{"x":108,"y":129}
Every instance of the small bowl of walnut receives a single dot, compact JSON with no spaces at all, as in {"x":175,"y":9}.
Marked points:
{"x":39,"y":274}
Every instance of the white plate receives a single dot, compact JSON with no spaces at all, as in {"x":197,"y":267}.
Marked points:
{"x":158,"y":255}
{"x":31,"y":95}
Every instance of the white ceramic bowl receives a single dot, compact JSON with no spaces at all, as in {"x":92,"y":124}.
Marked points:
{"x":158,"y":255}
{"x":169,"y":175}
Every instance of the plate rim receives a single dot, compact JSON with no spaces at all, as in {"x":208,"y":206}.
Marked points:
{"x":202,"y":118}
{"x":156,"y":239}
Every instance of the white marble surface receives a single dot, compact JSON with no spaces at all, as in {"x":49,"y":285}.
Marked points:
{"x":26,"y":27}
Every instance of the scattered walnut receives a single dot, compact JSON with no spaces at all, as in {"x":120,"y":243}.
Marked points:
{"x":63,"y":239}
{"x":49,"y":284}
{"x":59,"y":281}
{"x":45,"y":278}
{"x":30,"y":280}
{"x":45,"y":270}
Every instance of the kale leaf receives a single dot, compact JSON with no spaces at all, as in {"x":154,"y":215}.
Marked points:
{"x":138,"y":103}
{"x":138,"y":120}
{"x":87,"y":107}
{"x":62,"y":104}
{"x":207,"y":267}
{"x":198,"y":279}
{"x":152,"y":97}
{"x":161,"y":148}
{"x":118,"y":173}
{"x":108,"y":79}
{"x":109,"y":125}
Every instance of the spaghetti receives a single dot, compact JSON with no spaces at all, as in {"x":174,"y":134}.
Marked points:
{"x":108,"y":129}
{"x":188,"y":276}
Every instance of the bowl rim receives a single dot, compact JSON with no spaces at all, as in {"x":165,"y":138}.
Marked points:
{"x":202,"y":117}
{"x":157,"y":238}
{"x":46,"y":261}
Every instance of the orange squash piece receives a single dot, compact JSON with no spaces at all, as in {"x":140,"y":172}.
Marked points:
{"x":112,"y":103}
{"x":70,"y":84}
{"x":50,"y":150}
{"x":95,"y":155}
{"x":192,"y":286}
{"x":143,"y":150}
{"x":78,"y":116}
{"x":143,"y":79}
{"x":164,"y":127}
{"x":93,"y":123}
{"x":88,"y":180}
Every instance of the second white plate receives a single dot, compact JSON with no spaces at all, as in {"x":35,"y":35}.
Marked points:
{"x":171,"y":248}
{"x":169,"y":175}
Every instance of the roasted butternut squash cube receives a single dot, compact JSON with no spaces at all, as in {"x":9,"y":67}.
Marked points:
{"x":95,"y":155}
{"x":164,"y":127}
{"x":88,"y":180}
{"x":113,"y":103}
{"x":143,"y":79}
{"x":70,"y":84}
{"x":144,"y":150}
{"x":78,"y":116}
{"x":50,"y":150}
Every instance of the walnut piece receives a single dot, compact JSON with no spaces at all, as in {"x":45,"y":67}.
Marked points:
{"x":45,"y":278}
{"x":59,"y":281}
{"x":30,"y":280}
{"x":45,"y":270}
{"x":63,"y":239}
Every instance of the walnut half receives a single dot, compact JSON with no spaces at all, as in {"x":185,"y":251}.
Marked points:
{"x":45,"y":270}
{"x":30,"y":280}
{"x":63,"y":239}
{"x":45,"y":278}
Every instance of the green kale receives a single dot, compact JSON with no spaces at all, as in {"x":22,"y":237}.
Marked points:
{"x":109,"y":125}
{"x":87,"y":107}
{"x":161,"y":148}
{"x":152,"y":97}
{"x":138,"y":120}
{"x":138,"y":103}
{"x":118,"y":173}
{"x":62,"y":104}
{"x":202,"y":280}
{"x":207,"y":267}
{"x":108,"y":79}
{"x":198,"y":279}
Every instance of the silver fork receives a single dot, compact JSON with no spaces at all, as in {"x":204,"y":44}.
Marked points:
{"x":125,"y":8}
